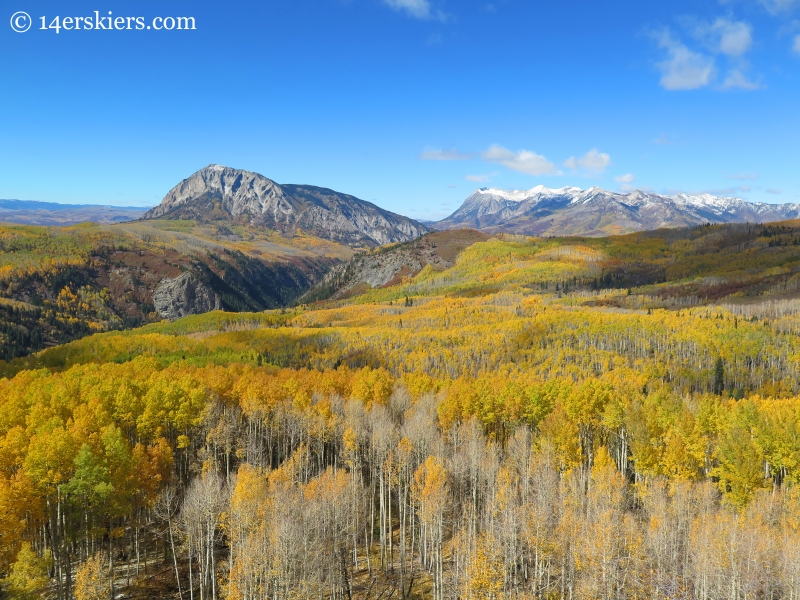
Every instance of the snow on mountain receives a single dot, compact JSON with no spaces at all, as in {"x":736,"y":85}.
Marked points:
{"x":510,"y":195}
{"x":573,"y":211}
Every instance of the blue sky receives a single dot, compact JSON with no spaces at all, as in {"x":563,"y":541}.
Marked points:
{"x":411,"y":104}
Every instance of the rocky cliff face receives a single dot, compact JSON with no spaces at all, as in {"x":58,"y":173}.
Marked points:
{"x":222,"y":193}
{"x":184,"y":295}
{"x":388,"y":266}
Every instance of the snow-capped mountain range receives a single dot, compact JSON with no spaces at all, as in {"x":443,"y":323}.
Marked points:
{"x":543,"y":211}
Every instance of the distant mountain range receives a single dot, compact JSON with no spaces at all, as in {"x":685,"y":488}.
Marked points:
{"x":596,"y":212}
{"x":30,"y":212}
{"x":218,"y":193}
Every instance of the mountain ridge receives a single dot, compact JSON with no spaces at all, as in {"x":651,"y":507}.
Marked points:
{"x":219,"y":193}
{"x":542,"y":211}
{"x":33,"y":212}
{"x":16,"y":204}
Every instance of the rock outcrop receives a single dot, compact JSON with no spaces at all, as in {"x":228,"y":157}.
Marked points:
{"x":385,"y":267}
{"x":218,"y":193}
{"x":184,"y":295}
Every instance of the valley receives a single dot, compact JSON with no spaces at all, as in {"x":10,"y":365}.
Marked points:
{"x":61,"y":283}
{"x":207,"y":406}
{"x":400,"y":300}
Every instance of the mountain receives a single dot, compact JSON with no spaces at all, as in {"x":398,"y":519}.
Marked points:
{"x":541,"y":211}
{"x":218,"y":193}
{"x":30,"y":212}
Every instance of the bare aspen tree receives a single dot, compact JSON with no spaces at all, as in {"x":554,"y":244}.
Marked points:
{"x":166,"y":510}
{"x":431,"y":493}
{"x":200,"y":519}
{"x":541,"y":500}
{"x":383,"y":439}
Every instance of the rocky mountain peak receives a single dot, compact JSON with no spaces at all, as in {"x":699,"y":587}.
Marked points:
{"x":217,"y":192}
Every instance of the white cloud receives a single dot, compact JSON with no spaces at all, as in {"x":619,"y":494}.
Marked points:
{"x":595,"y":161}
{"x":663,"y":140}
{"x":451,"y":185}
{"x":683,"y":69}
{"x":773,"y":191}
{"x":420,"y":9}
{"x":523,"y":161}
{"x":733,"y":38}
{"x":626,"y":188}
{"x":477,"y":178}
{"x":742,"y":176}
{"x":686,"y":69}
{"x":735,"y":79}
{"x":452,"y":154}
{"x":625,"y":178}
{"x":796,"y":45}
{"x":779,"y":6}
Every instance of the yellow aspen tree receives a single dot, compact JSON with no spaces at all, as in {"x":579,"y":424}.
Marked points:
{"x":28,"y":579}
{"x":90,"y":581}
{"x":431,"y":492}
{"x":485,"y":572}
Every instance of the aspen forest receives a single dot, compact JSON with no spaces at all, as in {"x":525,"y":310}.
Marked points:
{"x":562,"y":418}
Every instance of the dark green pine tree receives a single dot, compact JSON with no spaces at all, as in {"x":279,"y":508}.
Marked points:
{"x":719,"y":376}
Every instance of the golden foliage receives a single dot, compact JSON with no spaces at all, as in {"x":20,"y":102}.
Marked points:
{"x":29,"y":577}
{"x":91,"y":583}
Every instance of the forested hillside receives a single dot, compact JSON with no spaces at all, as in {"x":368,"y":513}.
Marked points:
{"x":61,"y":283}
{"x":557,"y":418}
{"x":665,"y":268}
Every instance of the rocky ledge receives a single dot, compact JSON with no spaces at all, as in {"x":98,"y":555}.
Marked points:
{"x":184,"y":295}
